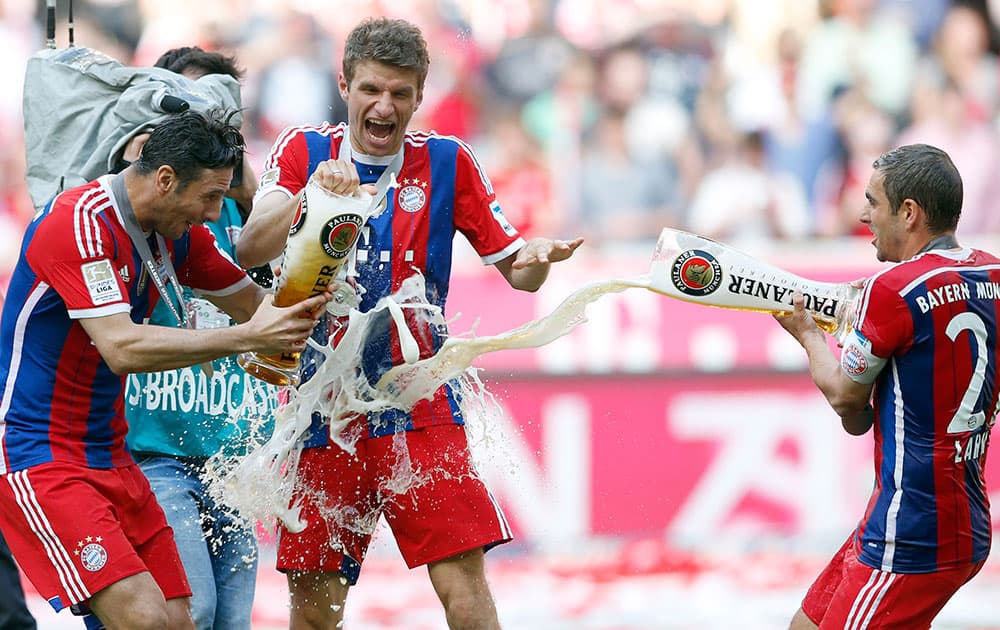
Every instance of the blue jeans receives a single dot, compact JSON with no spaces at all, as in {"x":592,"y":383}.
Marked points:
{"x":218,"y":553}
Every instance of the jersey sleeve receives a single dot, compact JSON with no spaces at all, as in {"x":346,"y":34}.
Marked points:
{"x":73,"y":252}
{"x":287,"y":165}
{"x":209,"y":270}
{"x":478,"y":214}
{"x":883,"y":327}
{"x":884,"y":319}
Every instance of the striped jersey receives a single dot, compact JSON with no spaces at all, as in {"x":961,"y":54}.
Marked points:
{"x":61,"y":401}
{"x":442,"y":189}
{"x":932,"y":321}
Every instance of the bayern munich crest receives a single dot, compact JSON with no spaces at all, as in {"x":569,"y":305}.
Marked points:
{"x":93,"y":555}
{"x":412,"y":198}
{"x":339,"y":234}
{"x":300,"y":217}
{"x":853,"y":360}
{"x":696,"y":273}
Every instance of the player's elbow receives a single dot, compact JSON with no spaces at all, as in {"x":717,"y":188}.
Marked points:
{"x":845,"y":408}
{"x":119,"y":363}
{"x":117,"y":357}
{"x":856,"y":418}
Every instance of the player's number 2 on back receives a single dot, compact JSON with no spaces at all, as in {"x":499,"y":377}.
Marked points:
{"x":966,"y":418}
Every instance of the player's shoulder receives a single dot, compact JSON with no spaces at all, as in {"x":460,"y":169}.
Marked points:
{"x":904,"y":275}
{"x":75,"y":209}
{"x":894,"y":278}
{"x":303,"y":133}
{"x":982,"y":258}
{"x":433,"y":141}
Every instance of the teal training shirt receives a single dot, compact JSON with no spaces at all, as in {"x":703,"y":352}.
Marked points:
{"x":183,"y":412}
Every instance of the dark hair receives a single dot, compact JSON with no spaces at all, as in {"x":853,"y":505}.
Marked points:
{"x":393,"y":42}
{"x":207,"y":62}
{"x":191,"y":142}
{"x":926,"y":175}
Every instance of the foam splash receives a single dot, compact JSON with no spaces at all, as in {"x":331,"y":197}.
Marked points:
{"x":260,"y":484}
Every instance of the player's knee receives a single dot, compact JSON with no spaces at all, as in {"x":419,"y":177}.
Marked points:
{"x":145,"y":616}
{"x":305,"y":616}
{"x":469,"y":605}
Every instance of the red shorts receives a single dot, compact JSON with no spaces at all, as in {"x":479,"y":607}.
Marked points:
{"x":423,"y":482}
{"x":76,"y":530}
{"x":849,"y":594}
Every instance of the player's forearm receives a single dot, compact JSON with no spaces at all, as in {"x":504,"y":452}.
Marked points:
{"x":846,"y":397}
{"x":154,"y":348}
{"x":529,"y":278}
{"x":240,"y":305}
{"x":263,"y":237}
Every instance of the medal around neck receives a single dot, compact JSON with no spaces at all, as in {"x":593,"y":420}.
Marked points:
{"x":697,"y":269}
{"x":323,"y":235}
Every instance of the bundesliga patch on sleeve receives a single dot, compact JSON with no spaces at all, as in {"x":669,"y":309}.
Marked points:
{"x":270,"y":177}
{"x":499,"y":217}
{"x":99,"y":276}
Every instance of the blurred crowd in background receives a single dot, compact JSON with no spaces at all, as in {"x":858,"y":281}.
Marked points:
{"x":742,"y":120}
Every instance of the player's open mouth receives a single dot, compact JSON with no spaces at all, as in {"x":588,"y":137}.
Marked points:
{"x":379,"y":130}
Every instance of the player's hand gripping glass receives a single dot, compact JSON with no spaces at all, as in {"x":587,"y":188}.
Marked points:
{"x":322,"y":237}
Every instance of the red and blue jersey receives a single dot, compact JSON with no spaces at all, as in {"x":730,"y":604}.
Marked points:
{"x":442,"y":190}
{"x":60,"y":400}
{"x":932,"y":320}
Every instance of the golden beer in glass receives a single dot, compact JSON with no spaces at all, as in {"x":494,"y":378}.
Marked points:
{"x":322,"y":237}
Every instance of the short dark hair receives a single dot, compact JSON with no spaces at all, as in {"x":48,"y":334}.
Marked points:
{"x":191,"y":142}
{"x":393,"y":42}
{"x":208,"y":62}
{"x":926,"y":175}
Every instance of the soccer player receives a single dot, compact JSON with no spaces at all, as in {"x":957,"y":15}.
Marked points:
{"x":178,"y":419}
{"x":448,"y":522}
{"x":77,"y":512}
{"x":921,"y":366}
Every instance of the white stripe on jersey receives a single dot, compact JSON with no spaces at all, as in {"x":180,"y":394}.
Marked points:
{"x":892,"y":513}
{"x":15,"y":358}
{"x":62,"y":562}
{"x":85,"y":226}
{"x":933,"y":272}
{"x":233,"y":288}
{"x":420,"y":138}
{"x":100,"y":311}
{"x":326,"y":129}
{"x":866,"y":298}
{"x":863,"y":312}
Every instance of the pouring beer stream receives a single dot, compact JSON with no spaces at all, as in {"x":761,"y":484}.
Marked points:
{"x":684,"y":266}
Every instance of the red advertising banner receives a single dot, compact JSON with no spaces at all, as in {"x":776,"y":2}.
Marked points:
{"x":730,"y":460}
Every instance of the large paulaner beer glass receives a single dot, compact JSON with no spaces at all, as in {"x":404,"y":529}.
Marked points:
{"x":697,"y":269}
{"x":321,"y":238}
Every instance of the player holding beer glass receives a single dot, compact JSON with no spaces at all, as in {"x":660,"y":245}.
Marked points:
{"x":76,"y":510}
{"x":920,"y":366}
{"x":450,"y":521}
